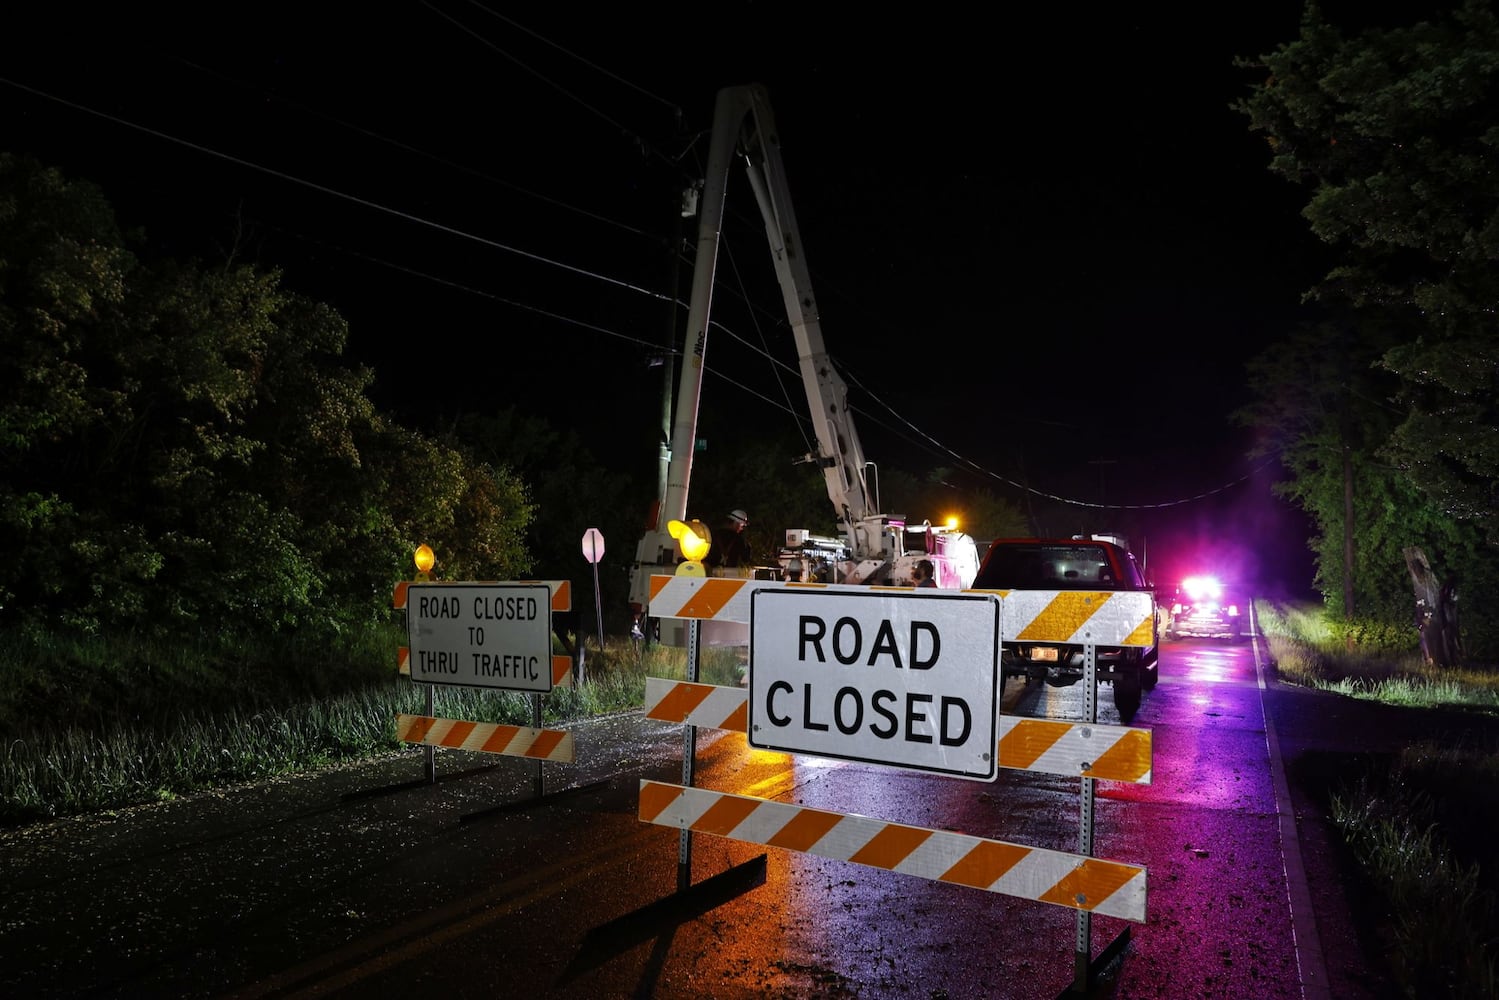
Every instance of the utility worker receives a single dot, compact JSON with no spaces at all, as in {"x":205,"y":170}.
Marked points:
{"x":730,"y":546}
{"x":926,"y":574}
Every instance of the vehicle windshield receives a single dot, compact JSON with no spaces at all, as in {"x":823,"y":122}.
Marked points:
{"x":1046,"y":567}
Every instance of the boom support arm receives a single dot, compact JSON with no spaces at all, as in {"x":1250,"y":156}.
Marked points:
{"x":840,"y":454}
{"x":742,"y":117}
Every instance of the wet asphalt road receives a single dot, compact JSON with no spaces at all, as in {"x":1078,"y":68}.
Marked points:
{"x":368,"y":881}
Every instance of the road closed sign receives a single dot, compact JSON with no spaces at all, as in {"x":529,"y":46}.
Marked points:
{"x":901,"y":678}
{"x":496,"y":635}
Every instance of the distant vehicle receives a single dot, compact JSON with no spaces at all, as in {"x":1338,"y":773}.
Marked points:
{"x":1084,"y":563}
{"x":1206,"y":608}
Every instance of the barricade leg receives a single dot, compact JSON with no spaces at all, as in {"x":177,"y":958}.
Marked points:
{"x":689,"y":754}
{"x":1085,"y":970}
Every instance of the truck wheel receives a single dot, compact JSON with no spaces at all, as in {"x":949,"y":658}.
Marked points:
{"x":1152,"y":676}
{"x":1127,"y":695}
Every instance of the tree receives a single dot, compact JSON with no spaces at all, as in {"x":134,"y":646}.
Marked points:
{"x":1321,"y":404}
{"x":1393,"y":129}
{"x":571,"y":491}
{"x":763,"y":476}
{"x":1436,"y":612}
{"x":64,"y":273}
{"x":185,"y":448}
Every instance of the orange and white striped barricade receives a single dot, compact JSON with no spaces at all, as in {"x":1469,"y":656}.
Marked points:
{"x":486,"y":737}
{"x":1083,"y":749}
{"x":1048,"y":746}
{"x":1092,"y":619}
{"x":1075,"y":881}
{"x":561,"y":667}
{"x":485,"y":634}
{"x":1084,"y":617}
{"x":562,"y":593}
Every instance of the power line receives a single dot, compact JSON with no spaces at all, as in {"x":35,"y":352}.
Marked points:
{"x":417,"y":151}
{"x":336,"y":193}
{"x":495,"y":244}
{"x":642,"y":142}
{"x":591,"y":65}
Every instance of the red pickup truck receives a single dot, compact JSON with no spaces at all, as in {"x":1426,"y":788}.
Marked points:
{"x":1087,"y":563}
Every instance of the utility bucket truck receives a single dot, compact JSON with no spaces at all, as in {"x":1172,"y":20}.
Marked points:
{"x":874,"y":548}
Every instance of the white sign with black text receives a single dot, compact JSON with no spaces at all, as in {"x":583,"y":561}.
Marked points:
{"x":496,"y":635}
{"x":909,"y":678}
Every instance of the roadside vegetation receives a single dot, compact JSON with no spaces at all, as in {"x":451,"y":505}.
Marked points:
{"x":94,"y":725}
{"x":1420,"y":823}
{"x":1368,"y":660}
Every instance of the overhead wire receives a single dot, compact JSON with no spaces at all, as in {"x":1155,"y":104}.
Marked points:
{"x":784,"y":406}
{"x":411,"y":217}
{"x":427,"y":154}
{"x":460,"y":286}
{"x":646,"y":145}
{"x":629,"y":286}
{"x":336,"y":193}
{"x":573,"y":55}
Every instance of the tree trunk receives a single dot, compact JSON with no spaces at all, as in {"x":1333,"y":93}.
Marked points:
{"x":1348,"y":609}
{"x":1436,"y":611}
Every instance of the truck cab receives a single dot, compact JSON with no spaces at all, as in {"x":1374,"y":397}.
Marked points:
{"x":1090,"y":562}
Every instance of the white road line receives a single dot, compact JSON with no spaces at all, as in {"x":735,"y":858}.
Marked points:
{"x":1309,"y":958}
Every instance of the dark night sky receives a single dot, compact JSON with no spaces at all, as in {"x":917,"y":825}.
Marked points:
{"x":1044,"y":240}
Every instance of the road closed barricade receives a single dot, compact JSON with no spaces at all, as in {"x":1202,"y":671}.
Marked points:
{"x":906,"y":678}
{"x":487,"y":635}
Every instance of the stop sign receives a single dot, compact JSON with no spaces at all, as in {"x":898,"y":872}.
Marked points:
{"x":593,"y":545}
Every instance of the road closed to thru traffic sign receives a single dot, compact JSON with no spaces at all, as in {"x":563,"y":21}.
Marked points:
{"x":902,"y":678}
{"x":495,"y":635}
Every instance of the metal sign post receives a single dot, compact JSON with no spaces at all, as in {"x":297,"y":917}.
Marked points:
{"x":431,"y":762}
{"x":593,"y":551}
{"x":1085,"y":969}
{"x":689,"y":751}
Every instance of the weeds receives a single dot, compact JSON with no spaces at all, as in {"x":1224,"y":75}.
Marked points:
{"x":91,"y":725}
{"x":1409,"y":824}
{"x":1310,"y":652}
{"x":1441,"y":927}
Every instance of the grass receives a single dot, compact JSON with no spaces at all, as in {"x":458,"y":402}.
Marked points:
{"x":94,"y":724}
{"x":1310,"y":651}
{"x":1440,"y":934}
{"x":1417,"y":824}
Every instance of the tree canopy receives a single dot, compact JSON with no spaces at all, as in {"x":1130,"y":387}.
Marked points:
{"x":1393,"y":130}
{"x":184,"y":447}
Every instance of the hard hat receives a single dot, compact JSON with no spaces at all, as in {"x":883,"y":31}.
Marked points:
{"x":739,"y":515}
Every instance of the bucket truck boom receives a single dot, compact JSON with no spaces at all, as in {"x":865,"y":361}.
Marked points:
{"x":873,"y":548}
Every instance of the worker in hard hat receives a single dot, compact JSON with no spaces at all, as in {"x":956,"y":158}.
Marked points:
{"x":730,"y":545}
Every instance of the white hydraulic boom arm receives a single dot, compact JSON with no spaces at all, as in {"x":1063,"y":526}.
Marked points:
{"x":840,"y":455}
{"x":744,"y":123}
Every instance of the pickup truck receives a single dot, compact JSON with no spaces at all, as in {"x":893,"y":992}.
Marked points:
{"x":1085,"y":563}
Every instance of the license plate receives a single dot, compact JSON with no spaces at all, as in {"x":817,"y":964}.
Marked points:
{"x":1044,"y":653}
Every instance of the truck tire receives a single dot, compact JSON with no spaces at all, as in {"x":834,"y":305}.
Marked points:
{"x":1127,"y":693}
{"x":1152,"y":676}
